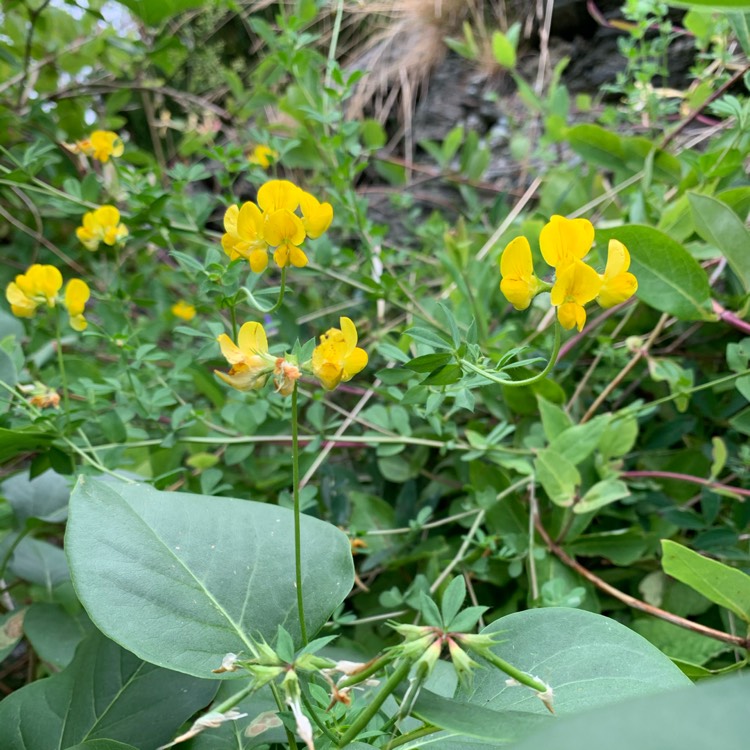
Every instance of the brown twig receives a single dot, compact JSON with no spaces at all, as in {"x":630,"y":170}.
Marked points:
{"x":685,"y":478}
{"x":631,"y":601}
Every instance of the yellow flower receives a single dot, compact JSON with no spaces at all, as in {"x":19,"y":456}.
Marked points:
{"x":518,"y":284}
{"x":39,"y":285}
{"x":101,"y":144}
{"x":184,"y":310}
{"x":77,"y":294}
{"x":284,"y":231}
{"x":102,"y":225}
{"x":250,"y":360}
{"x":576,"y":284}
{"x":617,"y":284}
{"x":277,"y":194}
{"x":244,"y":236}
{"x":263,"y":156}
{"x":564,"y":240}
{"x":316,"y":216}
{"x":338,"y":358}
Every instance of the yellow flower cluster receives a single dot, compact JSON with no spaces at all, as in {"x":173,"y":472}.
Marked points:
{"x":336,"y":359}
{"x":101,"y":225}
{"x":251,"y":230}
{"x":263,"y":156}
{"x":41,"y":285}
{"x":101,"y":145}
{"x":564,"y":243}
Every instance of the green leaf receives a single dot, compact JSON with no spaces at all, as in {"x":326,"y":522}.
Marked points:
{"x":723,"y":4}
{"x":597,"y":145}
{"x":106,"y":692}
{"x":554,"y":418}
{"x":727,"y":587}
{"x":714,"y":714}
{"x":453,"y":598}
{"x":602,"y":493}
{"x":430,"y":611}
{"x":557,"y":475}
{"x":445,"y":375}
{"x":155,"y":13}
{"x":669,"y":278}
{"x":183,"y":579}
{"x":429,"y":336}
{"x":579,"y":441}
{"x":44,"y":497}
{"x":54,"y":633}
{"x":719,"y":225}
{"x":11,"y":631}
{"x":503,"y":50}
{"x":618,"y":437}
{"x":102,"y":745}
{"x":15,"y":442}
{"x":429,"y":362}
{"x":588,"y":660}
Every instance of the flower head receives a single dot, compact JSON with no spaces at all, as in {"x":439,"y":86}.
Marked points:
{"x":576,"y":284}
{"x":284,"y":231}
{"x":564,"y":240}
{"x":250,"y":360}
{"x":617,"y":283}
{"x":519,"y":284}
{"x":244,"y":235}
{"x":277,"y":194}
{"x":183,"y":310}
{"x":101,"y":145}
{"x":77,"y":294}
{"x":38,"y":286}
{"x":263,"y":156}
{"x":101,"y":225}
{"x":338,"y":358}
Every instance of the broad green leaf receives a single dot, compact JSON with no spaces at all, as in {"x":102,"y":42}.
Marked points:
{"x":557,"y":475}
{"x":182,"y":579}
{"x":579,"y":441}
{"x":618,"y":437}
{"x":719,"y":225}
{"x":54,"y":633}
{"x":669,"y":278}
{"x":638,"y":150}
{"x":503,"y":50}
{"x":714,"y":714}
{"x":39,"y":562}
{"x":722,"y":4}
{"x":679,"y":643}
{"x":44,"y":497}
{"x":102,"y":745}
{"x":602,"y":493}
{"x":453,"y":598}
{"x":727,"y":587}
{"x":14,"y":442}
{"x":597,"y":145}
{"x":554,"y":418}
{"x":105,"y":693}
{"x":588,"y":660}
{"x":429,"y":336}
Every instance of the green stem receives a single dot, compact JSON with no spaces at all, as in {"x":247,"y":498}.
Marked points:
{"x":233,"y":318}
{"x":318,"y":722}
{"x":398,"y":676}
{"x":61,"y":366}
{"x":509,"y":669}
{"x":409,"y":736}
{"x":281,"y":294}
{"x":282,"y":707}
{"x":526,"y":381}
{"x":297,"y":530}
{"x":233,"y":700}
{"x":375,"y":665}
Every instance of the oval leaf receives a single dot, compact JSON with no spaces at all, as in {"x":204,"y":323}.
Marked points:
{"x":182,"y":579}
{"x":669,"y":278}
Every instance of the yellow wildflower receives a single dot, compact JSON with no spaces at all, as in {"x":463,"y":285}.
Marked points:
{"x":263,"y":156}
{"x":101,"y":225}
{"x":101,"y":145}
{"x":250,"y":360}
{"x":284,"y":231}
{"x":338,"y":358}
{"x":617,"y":284}
{"x":316,"y":216}
{"x":244,"y":236}
{"x":564,"y":240}
{"x":39,"y":285}
{"x":183,"y":310}
{"x":277,"y":194}
{"x":576,"y":284}
{"x":77,"y":294}
{"x":518,"y":284}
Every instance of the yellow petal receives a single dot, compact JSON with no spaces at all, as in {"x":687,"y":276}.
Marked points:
{"x":517,"y":292}
{"x":230,"y":219}
{"x":618,"y":259}
{"x":107,"y":216}
{"x":571,"y":314}
{"x":250,"y":222}
{"x":78,"y":323}
{"x":617,"y":289}
{"x":183,"y":310}
{"x":281,"y":256}
{"x":354,"y":363}
{"x":515,"y":262}
{"x":230,"y":350}
{"x":77,"y":294}
{"x":349,"y":330}
{"x":277,"y":194}
{"x":297,"y":257}
{"x":252,"y":339}
{"x":564,"y":240}
{"x":316,"y":216}
{"x":48,"y":281}
{"x":258,"y":260}
{"x":576,"y":282}
{"x":283,"y":225}
{"x":329,"y":375}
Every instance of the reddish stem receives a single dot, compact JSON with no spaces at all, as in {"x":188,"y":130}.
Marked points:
{"x":684,"y":478}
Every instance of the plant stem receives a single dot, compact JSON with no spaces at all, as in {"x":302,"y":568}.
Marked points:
{"x":413,"y":735}
{"x":61,"y":367}
{"x":297,"y":530}
{"x":281,"y":294}
{"x":526,"y":381}
{"x":233,"y":700}
{"x":509,"y":669}
{"x":399,"y":674}
{"x":233,"y":318}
